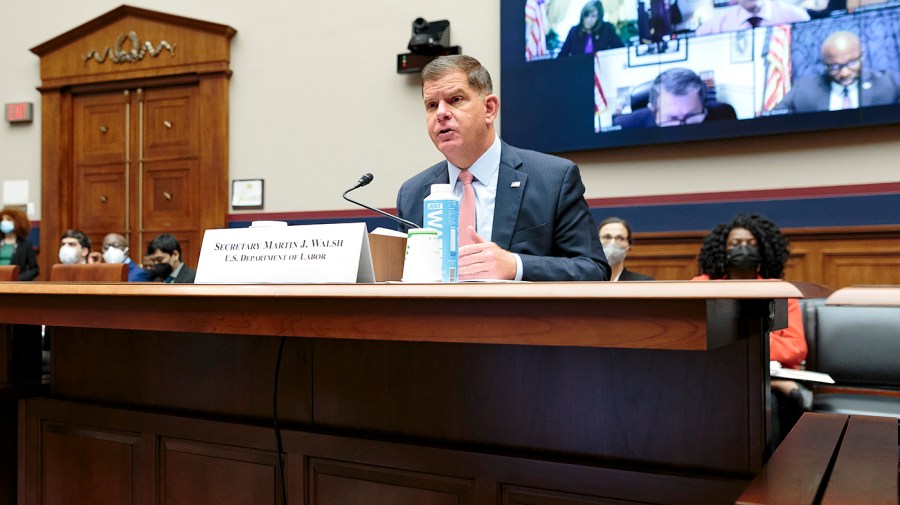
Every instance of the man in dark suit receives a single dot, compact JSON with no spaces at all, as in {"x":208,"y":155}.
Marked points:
{"x":166,"y":257}
{"x":844,"y":84}
{"x":532,"y":222}
{"x":677,"y":97}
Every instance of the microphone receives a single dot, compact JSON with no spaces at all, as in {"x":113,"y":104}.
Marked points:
{"x":365,"y":180}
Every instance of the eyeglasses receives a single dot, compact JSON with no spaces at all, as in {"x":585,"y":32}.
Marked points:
{"x":837,"y":67}
{"x":605,"y":239}
{"x":696,"y":118}
{"x":114,"y":244}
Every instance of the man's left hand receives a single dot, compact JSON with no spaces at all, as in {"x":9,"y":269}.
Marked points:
{"x":485,"y":260}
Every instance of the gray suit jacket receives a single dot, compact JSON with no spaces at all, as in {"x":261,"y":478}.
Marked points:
{"x":543,"y":218}
{"x":812,"y":93}
{"x":186,"y":275}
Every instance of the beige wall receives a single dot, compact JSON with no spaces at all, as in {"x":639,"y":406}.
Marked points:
{"x":316,"y":102}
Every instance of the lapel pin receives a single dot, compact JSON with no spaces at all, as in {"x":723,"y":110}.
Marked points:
{"x":515,"y":184}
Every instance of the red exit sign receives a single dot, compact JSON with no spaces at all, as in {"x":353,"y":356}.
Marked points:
{"x":22,"y":112}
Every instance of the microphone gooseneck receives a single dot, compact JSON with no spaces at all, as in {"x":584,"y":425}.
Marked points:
{"x":365,"y":180}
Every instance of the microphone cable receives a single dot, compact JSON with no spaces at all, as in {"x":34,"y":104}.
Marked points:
{"x":278,"y":445}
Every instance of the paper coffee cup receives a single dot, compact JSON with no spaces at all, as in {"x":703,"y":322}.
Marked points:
{"x":423,"y":256}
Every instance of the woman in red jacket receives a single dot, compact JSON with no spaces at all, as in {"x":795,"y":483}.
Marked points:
{"x":752,"y":247}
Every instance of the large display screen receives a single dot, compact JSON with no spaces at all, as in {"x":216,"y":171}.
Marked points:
{"x":580,"y":75}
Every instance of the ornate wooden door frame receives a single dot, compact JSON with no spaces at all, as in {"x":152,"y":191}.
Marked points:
{"x":130,"y":47}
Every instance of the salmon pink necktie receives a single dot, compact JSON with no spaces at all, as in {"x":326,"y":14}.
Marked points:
{"x":466,"y":208}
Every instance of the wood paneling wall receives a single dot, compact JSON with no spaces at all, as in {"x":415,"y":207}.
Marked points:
{"x":833,"y":257}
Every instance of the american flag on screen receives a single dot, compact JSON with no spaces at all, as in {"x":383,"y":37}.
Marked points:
{"x":600,"y":104}
{"x":777,"y":53}
{"x":536,"y":30}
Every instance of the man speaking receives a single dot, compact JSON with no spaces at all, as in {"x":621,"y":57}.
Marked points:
{"x":531,"y":221}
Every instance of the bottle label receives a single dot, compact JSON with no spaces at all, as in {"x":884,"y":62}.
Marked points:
{"x":443,"y":216}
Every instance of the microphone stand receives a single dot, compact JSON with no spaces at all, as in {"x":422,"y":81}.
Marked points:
{"x":364,"y":180}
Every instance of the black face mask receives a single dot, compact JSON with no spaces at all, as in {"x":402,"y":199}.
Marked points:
{"x":160,"y":270}
{"x":744,"y":257}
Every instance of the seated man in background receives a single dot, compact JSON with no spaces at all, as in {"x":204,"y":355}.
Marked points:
{"x":750,"y":14}
{"x":844,"y":84}
{"x":115,"y":250}
{"x":678,"y":97}
{"x":74,"y":247}
{"x":615,"y":236}
{"x":166,"y":263}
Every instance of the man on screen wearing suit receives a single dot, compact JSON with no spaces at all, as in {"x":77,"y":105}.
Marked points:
{"x":677,"y":97}
{"x":844,"y":84}
{"x":532,"y":222}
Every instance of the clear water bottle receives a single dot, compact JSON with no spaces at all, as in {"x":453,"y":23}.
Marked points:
{"x":441,"y":213}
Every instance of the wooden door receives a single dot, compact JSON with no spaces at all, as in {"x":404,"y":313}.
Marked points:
{"x":100,"y":183}
{"x":135,"y":144}
{"x":136,"y":166}
{"x":169,"y":197}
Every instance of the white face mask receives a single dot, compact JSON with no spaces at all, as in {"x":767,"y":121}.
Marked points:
{"x":114,"y":255}
{"x":7,"y":226}
{"x":68,"y":255}
{"x":615,"y":254}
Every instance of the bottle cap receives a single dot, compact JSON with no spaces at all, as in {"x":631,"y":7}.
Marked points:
{"x":441,"y":188}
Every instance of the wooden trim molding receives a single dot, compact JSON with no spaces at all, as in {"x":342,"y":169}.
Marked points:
{"x":834,"y":257}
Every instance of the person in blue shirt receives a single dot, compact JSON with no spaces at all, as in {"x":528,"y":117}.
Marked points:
{"x":115,"y":250}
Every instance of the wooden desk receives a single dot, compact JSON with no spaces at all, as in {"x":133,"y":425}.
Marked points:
{"x":469,"y":393}
{"x":831,"y":459}
{"x":867,"y":296}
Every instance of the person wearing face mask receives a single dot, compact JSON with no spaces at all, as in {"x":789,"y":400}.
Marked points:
{"x":115,"y":250}
{"x":15,"y":248}
{"x":166,"y":261}
{"x":615,"y":237}
{"x":74,"y":247}
{"x":752,"y":247}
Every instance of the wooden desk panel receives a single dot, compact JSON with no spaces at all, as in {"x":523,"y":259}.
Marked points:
{"x":795,"y":472}
{"x":678,"y":315}
{"x":649,"y":379}
{"x":831,"y":459}
{"x":865,"y":470}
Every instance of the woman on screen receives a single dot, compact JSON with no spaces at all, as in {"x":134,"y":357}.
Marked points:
{"x":591,"y":34}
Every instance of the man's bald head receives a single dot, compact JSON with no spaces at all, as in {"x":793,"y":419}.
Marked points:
{"x":842,"y":55}
{"x":114,"y":238}
{"x":840,"y":42}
